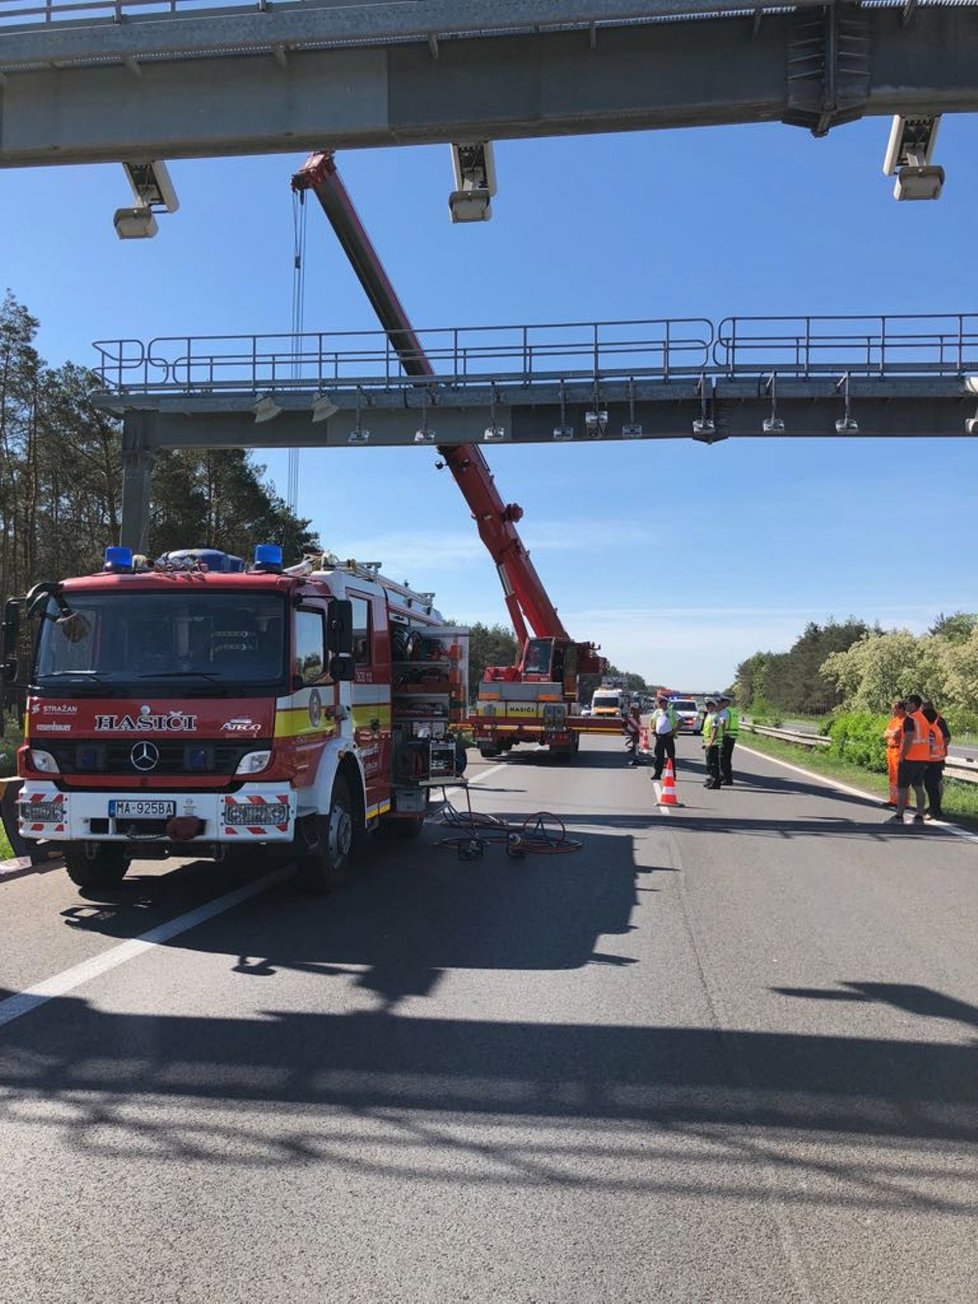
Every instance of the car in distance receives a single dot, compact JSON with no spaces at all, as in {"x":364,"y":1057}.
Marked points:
{"x":689,"y":718}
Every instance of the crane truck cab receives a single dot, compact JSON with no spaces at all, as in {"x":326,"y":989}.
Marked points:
{"x":193,"y":708}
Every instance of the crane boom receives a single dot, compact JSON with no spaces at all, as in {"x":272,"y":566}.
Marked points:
{"x":526,"y":598}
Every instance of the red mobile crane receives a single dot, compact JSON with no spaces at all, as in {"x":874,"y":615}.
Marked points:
{"x":535,"y":699}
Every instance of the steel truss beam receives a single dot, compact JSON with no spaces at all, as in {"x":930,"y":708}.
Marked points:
{"x":300,"y":76}
{"x":815,"y":408}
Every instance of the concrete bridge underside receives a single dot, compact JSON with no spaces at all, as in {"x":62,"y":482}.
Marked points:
{"x":299,"y":76}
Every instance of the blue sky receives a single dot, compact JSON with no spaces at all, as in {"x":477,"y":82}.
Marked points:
{"x":680,"y":559}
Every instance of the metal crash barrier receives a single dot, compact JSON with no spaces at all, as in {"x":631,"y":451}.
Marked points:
{"x":961,"y":768}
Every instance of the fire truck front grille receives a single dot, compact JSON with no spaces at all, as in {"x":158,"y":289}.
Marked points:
{"x":145,"y":757}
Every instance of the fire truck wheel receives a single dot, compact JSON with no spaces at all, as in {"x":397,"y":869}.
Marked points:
{"x":326,"y":865}
{"x":488,"y":750}
{"x":106,"y":869}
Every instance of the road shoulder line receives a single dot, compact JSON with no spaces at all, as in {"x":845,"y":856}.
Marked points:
{"x":839,"y":786}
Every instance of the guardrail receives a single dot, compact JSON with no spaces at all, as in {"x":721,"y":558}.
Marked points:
{"x":753,"y":349}
{"x":962,"y":768}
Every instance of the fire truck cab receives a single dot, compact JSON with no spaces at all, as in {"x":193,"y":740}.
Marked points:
{"x":191,"y":708}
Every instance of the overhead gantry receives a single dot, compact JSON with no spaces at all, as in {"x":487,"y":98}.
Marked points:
{"x":124,"y":83}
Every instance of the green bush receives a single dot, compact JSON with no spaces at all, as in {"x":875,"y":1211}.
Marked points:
{"x":961,"y":722}
{"x":857,"y":737}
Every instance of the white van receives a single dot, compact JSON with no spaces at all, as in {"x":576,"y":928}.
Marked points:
{"x":610,"y":701}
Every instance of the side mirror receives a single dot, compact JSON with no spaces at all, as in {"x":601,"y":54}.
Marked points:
{"x":37,"y":599}
{"x":342,"y":666}
{"x":339,"y":627}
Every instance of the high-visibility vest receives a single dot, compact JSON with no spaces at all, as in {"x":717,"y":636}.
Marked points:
{"x":733,"y":722}
{"x":919,"y":749}
{"x":938,"y":743}
{"x":893,"y":733}
{"x":713,"y":730}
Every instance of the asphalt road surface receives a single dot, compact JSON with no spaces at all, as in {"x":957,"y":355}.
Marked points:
{"x":723,"y":1052}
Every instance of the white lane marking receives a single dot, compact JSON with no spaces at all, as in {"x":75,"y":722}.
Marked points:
{"x":953,"y":829}
{"x":484,"y":774}
{"x":59,"y":985}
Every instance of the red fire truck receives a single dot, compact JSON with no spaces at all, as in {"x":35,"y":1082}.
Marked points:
{"x":194,"y":707}
{"x":535,"y":700}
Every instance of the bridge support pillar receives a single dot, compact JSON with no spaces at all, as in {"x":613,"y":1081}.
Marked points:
{"x":137,"y":468}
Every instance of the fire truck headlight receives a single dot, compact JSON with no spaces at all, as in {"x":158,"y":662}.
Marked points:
{"x":43,"y":761}
{"x":253,"y":762}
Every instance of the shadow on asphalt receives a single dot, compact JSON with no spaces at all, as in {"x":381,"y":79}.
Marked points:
{"x":298,"y":1088}
{"x":902,"y":996}
{"x":314,"y":1087}
{"x":406,"y":916}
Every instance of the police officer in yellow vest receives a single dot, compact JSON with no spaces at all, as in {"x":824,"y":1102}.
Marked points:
{"x":713,"y":730}
{"x":915,"y":752}
{"x":731,"y":729}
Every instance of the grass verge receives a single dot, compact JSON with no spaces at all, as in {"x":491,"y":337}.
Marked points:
{"x":6,"y":850}
{"x":960,"y":799}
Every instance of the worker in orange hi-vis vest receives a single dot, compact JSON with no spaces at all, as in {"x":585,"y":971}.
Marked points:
{"x":915,"y":752}
{"x":893,"y":734}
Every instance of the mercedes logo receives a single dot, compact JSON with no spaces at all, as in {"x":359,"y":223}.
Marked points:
{"x":145,"y":756}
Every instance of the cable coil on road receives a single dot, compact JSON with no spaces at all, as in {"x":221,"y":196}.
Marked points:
{"x":540,"y":834}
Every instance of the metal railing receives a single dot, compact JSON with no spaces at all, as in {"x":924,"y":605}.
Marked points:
{"x":39,"y":13}
{"x":460,"y":356}
{"x":887,"y":345}
{"x":661,"y":349}
{"x":961,"y":768}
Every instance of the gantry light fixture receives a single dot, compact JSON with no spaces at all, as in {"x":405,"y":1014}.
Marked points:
{"x":494,"y":432}
{"x":596,"y":423}
{"x":358,"y":435}
{"x":564,"y":431}
{"x":323,"y":408}
{"x":631,"y":429}
{"x":154,"y":193}
{"x":475,"y":182}
{"x":847,"y":423}
{"x":704,"y":426}
{"x":772,"y":425}
{"x":266,"y":409}
{"x":908,"y":157}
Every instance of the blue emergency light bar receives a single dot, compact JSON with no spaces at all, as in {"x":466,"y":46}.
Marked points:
{"x":268,"y":557}
{"x":118,"y":558}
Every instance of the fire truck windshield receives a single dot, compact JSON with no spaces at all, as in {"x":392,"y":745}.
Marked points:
{"x":193,"y":644}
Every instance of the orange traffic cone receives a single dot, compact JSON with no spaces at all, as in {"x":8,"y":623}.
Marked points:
{"x":669,"y":797}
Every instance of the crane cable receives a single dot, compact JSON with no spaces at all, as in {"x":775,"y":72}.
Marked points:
{"x":298,"y":315}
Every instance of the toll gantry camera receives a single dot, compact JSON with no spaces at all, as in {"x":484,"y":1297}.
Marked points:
{"x":154,"y":193}
{"x":475,"y":182}
{"x":908,"y":158}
